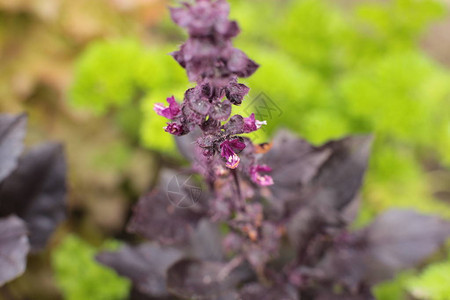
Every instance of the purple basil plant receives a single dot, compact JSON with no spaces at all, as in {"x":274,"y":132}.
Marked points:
{"x":32,"y":195}
{"x":273,"y":222}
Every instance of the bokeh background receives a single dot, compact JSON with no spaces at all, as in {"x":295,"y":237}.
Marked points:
{"x":87,"y":72}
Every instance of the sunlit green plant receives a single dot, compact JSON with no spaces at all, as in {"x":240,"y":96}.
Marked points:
{"x":80,"y":277}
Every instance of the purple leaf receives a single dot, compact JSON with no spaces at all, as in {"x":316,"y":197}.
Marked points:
{"x":187,"y":145}
{"x":294,"y":163}
{"x":235,"y":125}
{"x":326,"y":178}
{"x":400,"y":239}
{"x":206,"y":242}
{"x":342,"y":174}
{"x":12,"y":133}
{"x":197,"y":102}
{"x":396,"y":240}
{"x":194,"y":279}
{"x":236,"y":92}
{"x":36,"y":192}
{"x":256,"y":291}
{"x":156,"y":216}
{"x":240,"y":64}
{"x":314,"y":186}
{"x":146,"y":265}
{"x":14,"y":248}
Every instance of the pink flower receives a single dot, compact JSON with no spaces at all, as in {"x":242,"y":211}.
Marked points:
{"x":169,"y":112}
{"x":251,"y":124}
{"x":175,"y":128}
{"x":263,"y":180}
{"x":227,"y":151}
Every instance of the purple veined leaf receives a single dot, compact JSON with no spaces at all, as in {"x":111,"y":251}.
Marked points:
{"x":14,"y":247}
{"x":342,"y":173}
{"x":12,"y":133}
{"x":400,"y":239}
{"x":335,"y":169}
{"x":157,"y":216}
{"x":36,"y":192}
{"x":294,"y":163}
{"x":256,"y":291}
{"x":302,"y":226}
{"x":345,"y":266}
{"x":328,"y":198}
{"x":145,"y":265}
{"x":396,"y":240}
{"x":206,"y":242}
{"x":196,"y":279}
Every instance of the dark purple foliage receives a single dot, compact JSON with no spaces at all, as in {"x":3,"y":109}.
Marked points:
{"x":36,"y":192}
{"x":155,"y":217}
{"x":256,"y":291}
{"x":14,"y":248}
{"x":378,"y":252}
{"x":12,"y":133}
{"x":32,"y":187}
{"x":199,"y":279}
{"x":284,"y":208}
{"x":146,"y":265}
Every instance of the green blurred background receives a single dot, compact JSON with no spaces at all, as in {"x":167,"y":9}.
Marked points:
{"x":88,"y":72}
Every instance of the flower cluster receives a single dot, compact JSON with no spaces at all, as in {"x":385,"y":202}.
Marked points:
{"x":214,"y":64}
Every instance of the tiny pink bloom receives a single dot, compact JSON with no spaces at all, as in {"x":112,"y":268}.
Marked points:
{"x":251,"y":124}
{"x":263,"y":180}
{"x":169,"y":112}
{"x":227,"y":151}
{"x":174,"y":128}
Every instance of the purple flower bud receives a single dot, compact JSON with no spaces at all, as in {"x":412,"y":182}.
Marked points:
{"x":251,"y":124}
{"x":175,"y":128}
{"x":227,"y":151}
{"x":169,"y":112}
{"x":263,"y":180}
{"x":236,"y":92}
{"x":204,"y":18}
{"x":209,"y":53}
